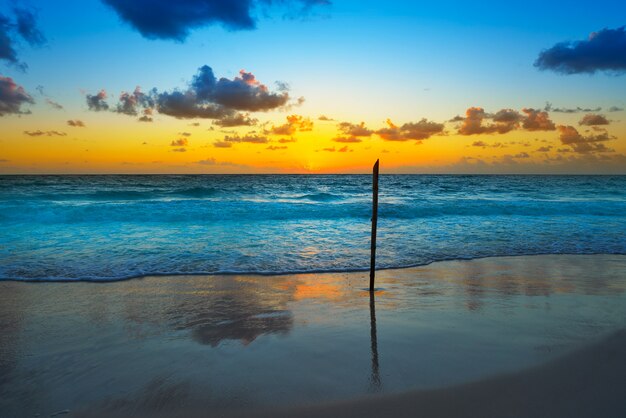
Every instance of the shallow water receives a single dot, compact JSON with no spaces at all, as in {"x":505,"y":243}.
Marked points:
{"x":228,"y":342}
{"x":115,"y":227}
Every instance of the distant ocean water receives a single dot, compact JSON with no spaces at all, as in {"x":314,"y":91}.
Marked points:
{"x":116,"y":227}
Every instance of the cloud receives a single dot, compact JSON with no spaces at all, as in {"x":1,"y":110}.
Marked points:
{"x":294,"y":124}
{"x":344,"y":149}
{"x":545,"y":148}
{"x":145,"y":118}
{"x":238,"y":119}
{"x":325,"y":118}
{"x":26,"y":22}
{"x":329,"y":149}
{"x":222,"y":144}
{"x":13,"y":97}
{"x":276,"y":147}
{"x":131,"y":103}
{"x":241,"y":93}
{"x":578,"y":109}
{"x":591,"y":119}
{"x":537,"y":120}
{"x":522,"y":155}
{"x":182,"y":142}
{"x":97,"y":102}
{"x":505,"y":120}
{"x":166,"y":19}
{"x":410,"y":131}
{"x":24,"y":25}
{"x":54,"y":104}
{"x":76,"y":123}
{"x":179,"y":150}
{"x":251,"y":139}
{"x":44,"y":133}
{"x":347,"y":140}
{"x":352,"y":129}
{"x":615,"y":109}
{"x":604,"y":50}
{"x":584,"y":144}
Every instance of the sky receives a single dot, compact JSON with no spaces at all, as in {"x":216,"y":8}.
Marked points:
{"x":312,"y":86}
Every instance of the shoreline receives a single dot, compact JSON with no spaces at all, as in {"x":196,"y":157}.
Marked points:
{"x":300,"y":272}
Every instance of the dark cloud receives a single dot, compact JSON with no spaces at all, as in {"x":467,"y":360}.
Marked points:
{"x":44,"y":133}
{"x":167,"y":19}
{"x":410,"y":131}
{"x":325,"y":118}
{"x":13,"y":97}
{"x":483,"y":144}
{"x":185,"y":105}
{"x":24,"y":25}
{"x":615,"y":109}
{"x":545,"y":149}
{"x":584,"y":144}
{"x":294,"y":124}
{"x":605,"y":50}
{"x":145,"y":118}
{"x":26,"y":22}
{"x":592,"y":119}
{"x":97,"y":102}
{"x":241,"y":93}
{"x":537,"y":120}
{"x":76,"y":123}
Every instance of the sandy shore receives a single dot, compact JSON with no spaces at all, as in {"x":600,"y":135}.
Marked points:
{"x":511,"y":336}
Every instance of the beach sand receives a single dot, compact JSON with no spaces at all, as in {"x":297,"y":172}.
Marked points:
{"x":511,"y":336}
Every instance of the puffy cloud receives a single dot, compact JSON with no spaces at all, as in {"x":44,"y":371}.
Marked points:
{"x":294,"y":124}
{"x":605,"y":50}
{"x":241,"y":93}
{"x":352,"y":129}
{"x":584,"y":144}
{"x":537,"y":120}
{"x":410,"y":131}
{"x":166,"y":19}
{"x":132,"y":103}
{"x":44,"y":133}
{"x":505,"y":120}
{"x":182,"y":142}
{"x":205,"y":97}
{"x":76,"y":123}
{"x":591,"y":119}
{"x":97,"y":102}
{"x":13,"y":97}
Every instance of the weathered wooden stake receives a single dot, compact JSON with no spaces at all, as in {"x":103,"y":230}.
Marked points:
{"x":374,"y":224}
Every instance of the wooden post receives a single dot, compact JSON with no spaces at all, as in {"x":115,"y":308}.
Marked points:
{"x":374,"y":224}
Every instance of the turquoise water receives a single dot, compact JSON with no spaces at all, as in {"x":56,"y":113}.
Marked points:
{"x":115,"y":227}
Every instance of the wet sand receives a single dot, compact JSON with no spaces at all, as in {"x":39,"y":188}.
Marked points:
{"x":511,"y":336}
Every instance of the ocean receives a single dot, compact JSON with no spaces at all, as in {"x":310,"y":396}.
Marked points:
{"x":107,"y":228}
